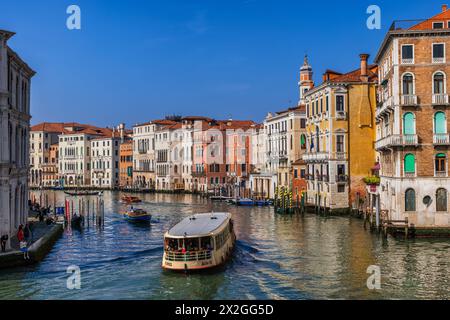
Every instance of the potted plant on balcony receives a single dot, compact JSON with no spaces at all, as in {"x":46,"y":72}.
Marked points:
{"x":372,"y":180}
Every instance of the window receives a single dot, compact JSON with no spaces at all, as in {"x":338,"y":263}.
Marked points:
{"x":295,"y":173}
{"x":440,"y":166}
{"x":438,"y":83}
{"x":303,"y":142}
{"x":410,"y":164}
{"x":438,"y":25}
{"x":440,"y":123}
{"x":339,"y":103}
{"x":341,"y":188}
{"x":441,"y":200}
{"x":409,"y":124}
{"x":339,"y":143}
{"x":410,"y":200}
{"x":408,"y":84}
{"x":408,"y":54}
{"x":438,"y":53}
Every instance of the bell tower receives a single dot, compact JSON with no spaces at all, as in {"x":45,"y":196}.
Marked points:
{"x":306,"y":80}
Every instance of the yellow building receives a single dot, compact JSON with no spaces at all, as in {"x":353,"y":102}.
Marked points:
{"x":340,"y":137}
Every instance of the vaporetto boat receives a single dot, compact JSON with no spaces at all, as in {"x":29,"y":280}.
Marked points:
{"x":200,"y":241}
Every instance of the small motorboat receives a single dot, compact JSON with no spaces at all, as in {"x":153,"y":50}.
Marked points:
{"x":219,"y":198}
{"x":138,"y":215}
{"x":130,"y":199}
{"x":262,"y":203}
{"x":245,"y":202}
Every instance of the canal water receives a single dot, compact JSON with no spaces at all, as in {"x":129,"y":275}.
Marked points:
{"x":277,"y":257}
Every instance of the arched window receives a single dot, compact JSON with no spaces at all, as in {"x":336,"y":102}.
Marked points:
{"x":410,"y":164}
{"x":440,"y":123}
{"x":440,"y":164}
{"x":409,"y":125}
{"x":441,"y":200}
{"x":410,"y":200}
{"x":438,"y":83}
{"x":408,"y":84}
{"x":317,"y":140}
{"x":175,"y":169}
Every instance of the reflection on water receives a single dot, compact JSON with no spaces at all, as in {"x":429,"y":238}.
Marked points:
{"x":276,"y":257}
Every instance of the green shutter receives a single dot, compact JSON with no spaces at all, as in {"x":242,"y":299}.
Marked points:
{"x":302,"y":140}
{"x":439,"y":123}
{"x":408,"y":123}
{"x":410,"y":163}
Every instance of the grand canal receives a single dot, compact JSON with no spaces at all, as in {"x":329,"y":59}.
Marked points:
{"x":277,"y":257}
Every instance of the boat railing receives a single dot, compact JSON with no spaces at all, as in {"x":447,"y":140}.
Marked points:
{"x":188,"y":256}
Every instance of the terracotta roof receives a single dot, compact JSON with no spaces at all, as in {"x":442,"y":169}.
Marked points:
{"x":355,"y":75}
{"x":193,"y":118}
{"x":443,"y":17}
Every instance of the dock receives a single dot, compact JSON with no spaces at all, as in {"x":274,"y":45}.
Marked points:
{"x":43,"y":238}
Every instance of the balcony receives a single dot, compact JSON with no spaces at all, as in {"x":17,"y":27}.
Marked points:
{"x":315,"y":156}
{"x":440,"y":100}
{"x":340,"y":156}
{"x":385,"y":107}
{"x":397,"y":140}
{"x":438,"y":60}
{"x":409,"y":174}
{"x":409,"y":100}
{"x":341,"y":115}
{"x":408,"y":61}
{"x":441,"y":139}
{"x":341,"y":178}
{"x":440,"y":174}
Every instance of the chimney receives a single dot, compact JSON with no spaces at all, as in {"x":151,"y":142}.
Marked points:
{"x":364,"y":74}
{"x":444,"y":7}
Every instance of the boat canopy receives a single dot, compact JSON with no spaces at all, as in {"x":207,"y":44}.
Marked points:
{"x":199,"y":225}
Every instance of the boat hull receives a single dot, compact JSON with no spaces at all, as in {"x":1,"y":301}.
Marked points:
{"x":147,"y":218}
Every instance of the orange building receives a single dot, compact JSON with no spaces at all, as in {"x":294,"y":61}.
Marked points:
{"x":126,"y":165}
{"x":299,"y":183}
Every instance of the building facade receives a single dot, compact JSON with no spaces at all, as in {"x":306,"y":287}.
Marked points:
{"x":340,"y":136}
{"x":42,"y":137}
{"x":15,"y":88}
{"x":413,"y":120}
{"x":126,"y":164}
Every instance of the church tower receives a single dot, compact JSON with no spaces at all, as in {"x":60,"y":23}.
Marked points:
{"x":306,"y":80}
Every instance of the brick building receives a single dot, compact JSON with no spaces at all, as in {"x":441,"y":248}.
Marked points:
{"x":413,"y":121}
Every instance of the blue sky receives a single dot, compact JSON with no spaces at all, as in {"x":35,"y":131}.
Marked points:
{"x":137,"y":60}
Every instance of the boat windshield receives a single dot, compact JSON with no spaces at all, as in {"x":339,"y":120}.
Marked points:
{"x":189,"y":244}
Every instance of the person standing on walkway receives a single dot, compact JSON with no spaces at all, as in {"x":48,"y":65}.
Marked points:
{"x":3,"y":241}
{"x":22,"y":242}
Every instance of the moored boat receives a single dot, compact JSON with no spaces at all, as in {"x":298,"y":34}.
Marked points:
{"x":138,"y":215}
{"x":82,"y":193}
{"x":201,"y":241}
{"x":245,"y":202}
{"x":130,"y":199}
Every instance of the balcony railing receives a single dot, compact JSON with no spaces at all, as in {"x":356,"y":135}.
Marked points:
{"x":438,"y":60}
{"x":409,"y":100}
{"x":441,"y":139}
{"x":398,"y":140}
{"x":188,"y":256}
{"x":409,"y":174}
{"x":340,"y":155}
{"x":341,"y":115}
{"x":385,"y":106}
{"x":408,"y":61}
{"x":342,"y":178}
{"x":440,"y":174}
{"x":316,"y":156}
{"x":440,"y":99}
